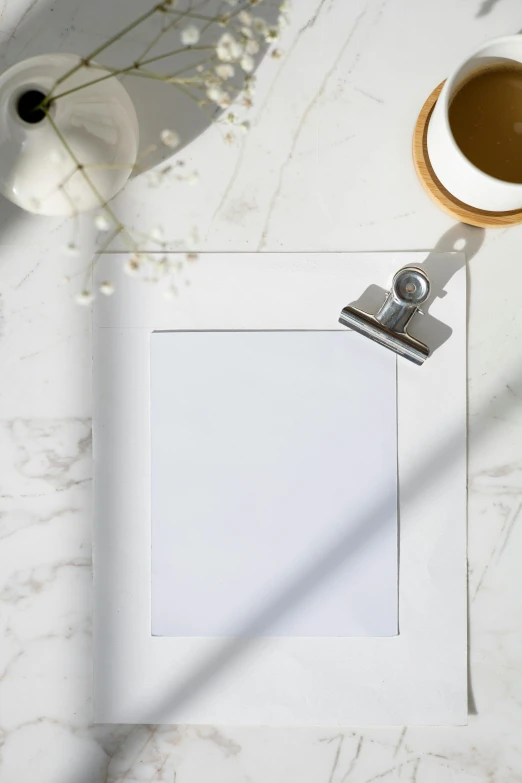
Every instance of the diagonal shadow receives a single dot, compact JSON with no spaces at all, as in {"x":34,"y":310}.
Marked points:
{"x":486,"y":7}
{"x":369,"y":525}
{"x":428,"y":473}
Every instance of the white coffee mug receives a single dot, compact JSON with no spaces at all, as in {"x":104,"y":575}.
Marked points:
{"x":458,"y":175}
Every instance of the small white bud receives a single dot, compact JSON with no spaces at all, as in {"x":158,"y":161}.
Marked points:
{"x":133,"y":264}
{"x":107,"y":288}
{"x":225,"y":71}
{"x":251,"y":47}
{"x":170,"y":138}
{"x":190,"y":35}
{"x":157,"y":234}
{"x":247,"y":63}
{"x":102,"y":222}
{"x":245,"y":18}
{"x":228,"y":49}
{"x":85,"y":297}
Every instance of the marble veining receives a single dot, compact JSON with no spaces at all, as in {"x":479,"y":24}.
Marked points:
{"x":326,"y":166}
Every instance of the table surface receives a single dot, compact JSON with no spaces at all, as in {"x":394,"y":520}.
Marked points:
{"x":326,"y":166}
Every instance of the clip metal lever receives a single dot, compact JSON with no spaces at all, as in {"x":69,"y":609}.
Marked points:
{"x":388,"y":327}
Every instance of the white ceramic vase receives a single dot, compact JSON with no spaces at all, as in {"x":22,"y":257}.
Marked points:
{"x":95,"y":126}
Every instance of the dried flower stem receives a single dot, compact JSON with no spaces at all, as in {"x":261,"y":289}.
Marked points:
{"x":210,"y":85}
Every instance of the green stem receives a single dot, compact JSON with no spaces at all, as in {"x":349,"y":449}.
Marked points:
{"x":179,"y":16}
{"x":105,"y":45}
{"x":81,"y":169}
{"x":117,"y":231}
{"x":110,"y":75}
{"x":190,"y":67}
{"x":174,"y":52}
{"x":100,"y":252}
{"x":130,"y":70}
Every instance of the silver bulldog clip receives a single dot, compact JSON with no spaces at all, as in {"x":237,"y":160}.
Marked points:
{"x":388,"y":327}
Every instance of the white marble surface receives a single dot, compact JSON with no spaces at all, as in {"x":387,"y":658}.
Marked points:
{"x":326,"y":167}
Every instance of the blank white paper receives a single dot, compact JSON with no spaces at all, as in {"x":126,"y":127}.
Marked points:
{"x":267,"y":448}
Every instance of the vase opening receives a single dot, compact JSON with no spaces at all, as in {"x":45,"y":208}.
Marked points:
{"x":28,"y":106}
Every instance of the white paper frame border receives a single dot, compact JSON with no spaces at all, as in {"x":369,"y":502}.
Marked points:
{"x":418,"y":677}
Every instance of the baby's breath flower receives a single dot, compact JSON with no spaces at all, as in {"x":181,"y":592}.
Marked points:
{"x":213,"y":80}
{"x":170,"y":138}
{"x":134,"y":263}
{"x":282,"y":21}
{"x":219,"y":96}
{"x":251,"y":47}
{"x":225,"y":71}
{"x":244,"y":126}
{"x":231,"y":118}
{"x":250,"y":85}
{"x":190,"y":35}
{"x":229,"y":138}
{"x":285,"y":7}
{"x":107,"y":288}
{"x":228,"y":49}
{"x":156,"y":234}
{"x":85,"y":297}
{"x":102,"y":222}
{"x":247,"y":102}
{"x":162,"y":265}
{"x":272,"y":34}
{"x":276,"y":54}
{"x":260,"y":26}
{"x":247,"y":63}
{"x":192,"y":257}
{"x":245,"y":18}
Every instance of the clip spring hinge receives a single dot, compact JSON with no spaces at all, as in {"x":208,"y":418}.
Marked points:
{"x":388,"y":327}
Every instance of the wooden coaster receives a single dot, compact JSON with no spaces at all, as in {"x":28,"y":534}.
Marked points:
{"x":457,"y":209}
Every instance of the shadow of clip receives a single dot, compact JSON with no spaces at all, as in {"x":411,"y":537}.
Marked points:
{"x":384,"y":315}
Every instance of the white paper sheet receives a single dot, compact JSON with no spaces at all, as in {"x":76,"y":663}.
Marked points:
{"x":415,"y":677}
{"x":267,"y":448}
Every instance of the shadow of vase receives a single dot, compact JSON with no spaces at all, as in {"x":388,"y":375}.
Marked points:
{"x":81,"y":28}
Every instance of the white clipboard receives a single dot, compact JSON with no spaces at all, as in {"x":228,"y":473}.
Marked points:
{"x":416,"y":677}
